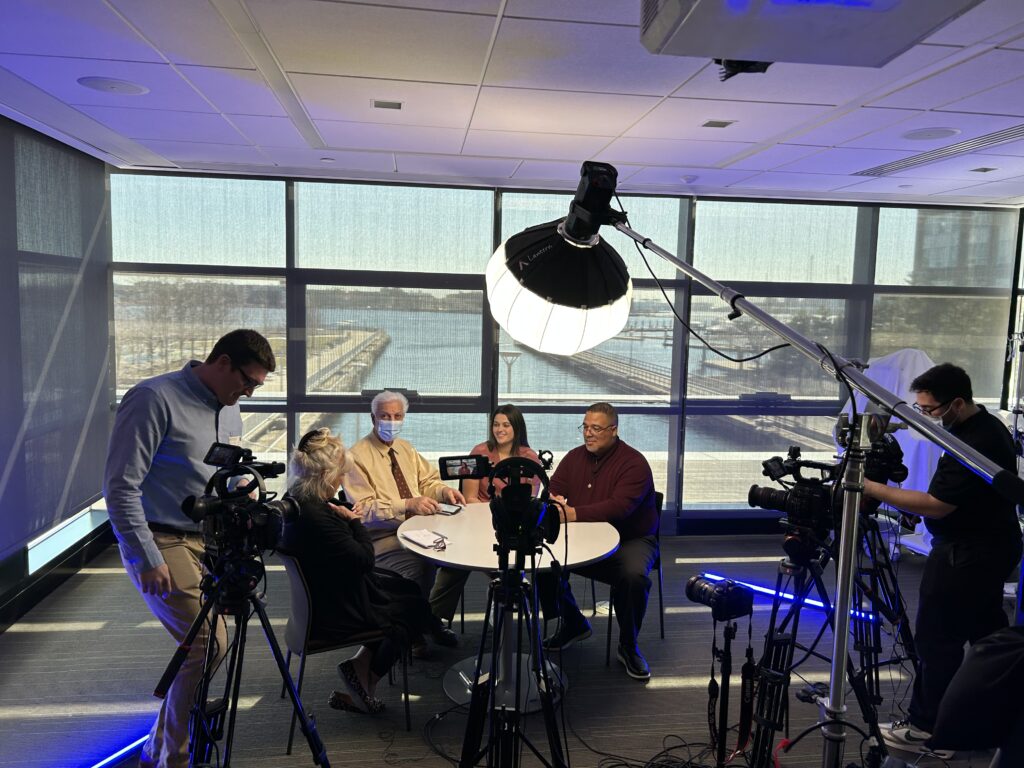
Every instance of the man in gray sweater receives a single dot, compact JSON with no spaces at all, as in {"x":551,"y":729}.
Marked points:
{"x":163,"y":429}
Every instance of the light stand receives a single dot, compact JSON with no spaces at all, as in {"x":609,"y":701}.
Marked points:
{"x":1005,"y":482}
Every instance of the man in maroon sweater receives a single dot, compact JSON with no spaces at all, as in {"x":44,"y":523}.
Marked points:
{"x":606,"y":480}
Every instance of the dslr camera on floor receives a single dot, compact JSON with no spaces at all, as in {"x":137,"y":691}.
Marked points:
{"x":726,"y":599}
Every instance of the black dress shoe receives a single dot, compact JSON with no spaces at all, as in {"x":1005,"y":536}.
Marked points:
{"x":634,"y":662}
{"x":444,"y":636}
{"x":567,"y":634}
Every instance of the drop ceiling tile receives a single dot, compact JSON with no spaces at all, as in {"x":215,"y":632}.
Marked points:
{"x":165,"y":125}
{"x":382,"y":162}
{"x":995,"y":190}
{"x":391,"y":138}
{"x":512,"y":109}
{"x":803,"y":182}
{"x":671,"y":151}
{"x":197,"y":152}
{"x":773,"y":157}
{"x":962,"y":167}
{"x":755,"y":121}
{"x":1006,"y":99}
{"x":979,"y":23}
{"x":970,"y":127}
{"x":373,"y":41}
{"x":578,"y":10}
{"x":59,"y":77}
{"x":449,"y":166}
{"x":894,"y":185}
{"x":269,"y":131}
{"x":959,"y":82}
{"x":810,"y":83}
{"x":842,"y":160}
{"x":462,"y":6}
{"x":238,"y":91}
{"x":677,"y":176}
{"x":852,"y":125}
{"x":186,"y":31}
{"x":538,"y":146}
{"x":83,"y":28}
{"x":351,"y":99}
{"x":529,"y":53}
{"x":548,"y":171}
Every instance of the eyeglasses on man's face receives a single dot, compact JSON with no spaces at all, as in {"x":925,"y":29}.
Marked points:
{"x":594,"y":429}
{"x":928,"y":410}
{"x":249,"y":381}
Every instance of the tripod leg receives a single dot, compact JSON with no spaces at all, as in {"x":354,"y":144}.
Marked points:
{"x":306,"y":722}
{"x":545,"y":690}
{"x":479,"y":696}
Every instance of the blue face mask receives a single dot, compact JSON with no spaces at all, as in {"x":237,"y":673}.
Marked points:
{"x":388,"y":430}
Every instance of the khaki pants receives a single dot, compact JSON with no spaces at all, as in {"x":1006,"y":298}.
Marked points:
{"x":167,"y":746}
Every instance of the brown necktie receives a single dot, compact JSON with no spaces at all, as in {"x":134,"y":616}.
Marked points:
{"x":403,"y":486}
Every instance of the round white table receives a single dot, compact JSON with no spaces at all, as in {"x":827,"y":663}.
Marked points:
{"x":469,"y":545}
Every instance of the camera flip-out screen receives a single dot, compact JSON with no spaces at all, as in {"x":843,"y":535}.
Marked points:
{"x":462,"y":467}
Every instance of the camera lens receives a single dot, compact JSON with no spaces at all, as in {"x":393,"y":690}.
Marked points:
{"x":767,"y":498}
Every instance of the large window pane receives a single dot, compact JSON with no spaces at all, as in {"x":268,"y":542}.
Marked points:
{"x":635,"y":366}
{"x":163,"y":321}
{"x":784,"y":371}
{"x":965,"y":330}
{"x":48,"y":198}
{"x":266,"y":435}
{"x":181,"y":220}
{"x":949,"y":248}
{"x":395,"y":229}
{"x":775,"y":241}
{"x":379,"y":338}
{"x":724,"y":454}
{"x":657,"y":218}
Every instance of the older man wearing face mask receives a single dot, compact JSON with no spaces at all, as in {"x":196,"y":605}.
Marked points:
{"x":390,"y":482}
{"x":976,"y":542}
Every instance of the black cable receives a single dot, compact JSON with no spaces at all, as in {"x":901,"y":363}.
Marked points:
{"x":682,"y":322}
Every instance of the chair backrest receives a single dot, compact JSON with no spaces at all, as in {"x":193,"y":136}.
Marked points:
{"x":296,"y":633}
{"x":659,"y":503}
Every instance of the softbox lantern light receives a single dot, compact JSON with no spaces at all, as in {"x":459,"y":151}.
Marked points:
{"x":558,"y":287}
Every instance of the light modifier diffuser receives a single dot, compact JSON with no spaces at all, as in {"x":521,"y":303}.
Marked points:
{"x":558,"y":287}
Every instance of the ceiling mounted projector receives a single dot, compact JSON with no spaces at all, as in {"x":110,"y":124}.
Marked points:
{"x":855,"y":33}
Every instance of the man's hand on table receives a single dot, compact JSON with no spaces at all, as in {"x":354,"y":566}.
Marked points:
{"x":452,"y":496}
{"x":421,"y":505}
{"x":565,"y":512}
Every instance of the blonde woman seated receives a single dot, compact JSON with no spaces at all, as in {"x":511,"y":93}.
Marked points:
{"x":348,"y":595}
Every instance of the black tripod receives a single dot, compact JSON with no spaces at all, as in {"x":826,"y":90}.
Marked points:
{"x":229,"y":589}
{"x":497,"y":692}
{"x":799,"y":574}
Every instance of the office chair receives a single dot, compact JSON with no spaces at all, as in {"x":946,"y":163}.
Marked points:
{"x":299,"y":642}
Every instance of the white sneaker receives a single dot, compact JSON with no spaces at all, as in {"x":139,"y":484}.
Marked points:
{"x":903,"y":736}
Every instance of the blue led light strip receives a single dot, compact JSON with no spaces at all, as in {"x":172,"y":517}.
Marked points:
{"x":120,"y":753}
{"x":784,"y":595}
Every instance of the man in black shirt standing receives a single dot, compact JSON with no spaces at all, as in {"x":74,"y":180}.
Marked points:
{"x":976,"y":543}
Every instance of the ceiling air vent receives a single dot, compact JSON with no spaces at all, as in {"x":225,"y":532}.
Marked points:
{"x":944,"y":153}
{"x":378,"y":104}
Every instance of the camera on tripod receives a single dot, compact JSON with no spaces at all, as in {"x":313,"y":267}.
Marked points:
{"x":726,"y":599}
{"x":240,"y":517}
{"x":521,"y":521}
{"x":807,"y":501}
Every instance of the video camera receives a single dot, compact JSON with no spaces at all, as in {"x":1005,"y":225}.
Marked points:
{"x":726,"y":599}
{"x":808,"y":502}
{"x":237,"y":524}
{"x":521,"y":520}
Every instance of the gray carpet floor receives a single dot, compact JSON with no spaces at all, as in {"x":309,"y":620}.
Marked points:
{"x":78,"y":671}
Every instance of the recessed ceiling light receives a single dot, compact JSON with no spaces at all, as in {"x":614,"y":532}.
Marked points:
{"x":326,"y":159}
{"x":689,"y":178}
{"x":379,"y":104}
{"x":983,"y":169}
{"x":718,"y":123}
{"x":112,"y":85}
{"x":930,"y":134}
